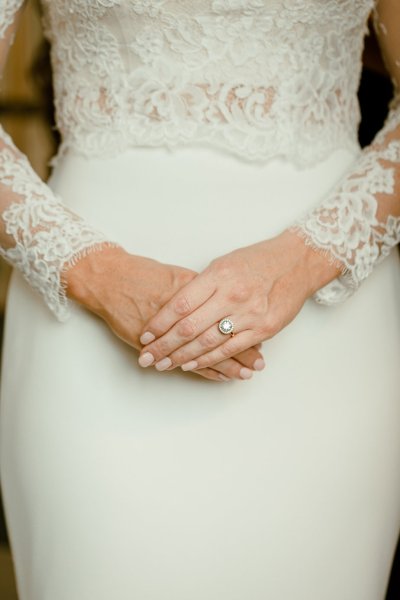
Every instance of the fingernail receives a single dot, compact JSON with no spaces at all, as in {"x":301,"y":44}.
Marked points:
{"x":246,"y":373}
{"x":146,"y":359}
{"x":190,"y":366}
{"x":163,"y":364}
{"x":223,"y":377}
{"x":259,"y":364}
{"x":147,"y":338}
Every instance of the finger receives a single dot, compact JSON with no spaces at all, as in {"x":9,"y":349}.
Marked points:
{"x":251,"y":358}
{"x":205,"y":342}
{"x":239,"y":343}
{"x":184,"y":331}
{"x":212,"y":375}
{"x":233,"y":369}
{"x":188,"y":299}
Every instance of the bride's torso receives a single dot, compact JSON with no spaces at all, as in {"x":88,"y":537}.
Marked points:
{"x":259,"y":78}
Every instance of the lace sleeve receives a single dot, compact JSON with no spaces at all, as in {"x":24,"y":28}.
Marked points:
{"x":38,"y":234}
{"x":358,"y":224}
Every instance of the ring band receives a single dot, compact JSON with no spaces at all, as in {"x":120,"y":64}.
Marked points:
{"x":226,"y":326}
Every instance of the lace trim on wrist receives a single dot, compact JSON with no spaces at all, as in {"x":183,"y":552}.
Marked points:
{"x":47,"y":236}
{"x":346,"y":226}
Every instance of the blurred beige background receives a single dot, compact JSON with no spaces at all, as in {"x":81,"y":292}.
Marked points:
{"x":24,"y":113}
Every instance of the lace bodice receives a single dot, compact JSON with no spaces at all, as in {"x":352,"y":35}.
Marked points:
{"x":259,"y":78}
{"x":256,"y":78}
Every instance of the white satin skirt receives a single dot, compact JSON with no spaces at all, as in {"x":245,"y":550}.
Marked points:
{"x":129,"y":484}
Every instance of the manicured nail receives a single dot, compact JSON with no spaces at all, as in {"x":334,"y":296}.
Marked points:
{"x":259,"y":364}
{"x":147,"y":338}
{"x":146,"y":359}
{"x":223,"y":377}
{"x":246,"y":373}
{"x":190,"y":366}
{"x":163,"y":364}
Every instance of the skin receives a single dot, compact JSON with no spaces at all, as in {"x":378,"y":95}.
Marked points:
{"x":261,"y":287}
{"x":127,"y":290}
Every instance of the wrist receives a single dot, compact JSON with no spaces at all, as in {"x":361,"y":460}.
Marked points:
{"x":318,"y":267}
{"x":85,"y":278}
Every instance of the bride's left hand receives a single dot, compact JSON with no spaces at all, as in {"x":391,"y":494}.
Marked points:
{"x":261,"y":288}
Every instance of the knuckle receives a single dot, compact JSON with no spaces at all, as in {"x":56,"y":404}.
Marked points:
{"x":182,"y":305}
{"x":162,"y":348}
{"x":186,"y":328}
{"x":240,"y":293}
{"x":227,"y":350}
{"x":222,"y":267}
{"x":178,"y":357}
{"x":208,"y":340}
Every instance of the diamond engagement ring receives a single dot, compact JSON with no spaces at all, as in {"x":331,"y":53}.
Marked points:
{"x":226,"y":326}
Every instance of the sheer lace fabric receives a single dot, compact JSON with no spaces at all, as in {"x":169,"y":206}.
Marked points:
{"x":46,"y":237}
{"x":358,"y":224}
{"x":259,"y":78}
{"x":256,"y":78}
{"x":38,"y":234}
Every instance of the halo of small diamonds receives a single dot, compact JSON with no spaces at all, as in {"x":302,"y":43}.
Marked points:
{"x":225,"y":326}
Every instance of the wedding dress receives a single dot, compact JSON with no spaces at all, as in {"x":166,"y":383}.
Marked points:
{"x":191,"y":128}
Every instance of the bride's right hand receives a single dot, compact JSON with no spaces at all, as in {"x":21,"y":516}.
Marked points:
{"x":126,"y":290}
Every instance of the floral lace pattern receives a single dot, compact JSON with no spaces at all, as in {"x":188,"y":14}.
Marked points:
{"x":357,"y":225}
{"x":346,"y":225}
{"x":48,"y":238}
{"x":248,"y":76}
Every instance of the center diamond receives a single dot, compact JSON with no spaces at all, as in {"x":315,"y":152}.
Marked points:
{"x":225,"y":326}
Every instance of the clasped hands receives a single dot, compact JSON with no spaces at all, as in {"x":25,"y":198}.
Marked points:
{"x":171,"y":314}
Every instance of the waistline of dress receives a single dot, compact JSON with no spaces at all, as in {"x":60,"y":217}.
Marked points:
{"x":97,"y":145}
